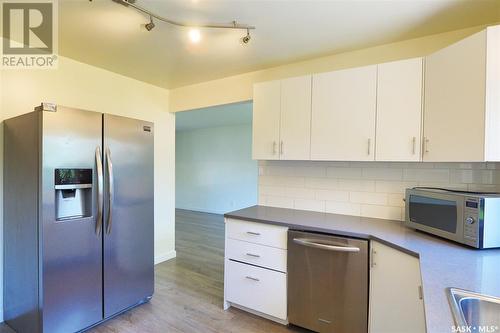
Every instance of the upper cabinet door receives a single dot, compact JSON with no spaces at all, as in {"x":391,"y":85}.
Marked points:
{"x":399,"y":110}
{"x":295,"y":129}
{"x":343,"y":115}
{"x":454,"y":110}
{"x":266,"y":120}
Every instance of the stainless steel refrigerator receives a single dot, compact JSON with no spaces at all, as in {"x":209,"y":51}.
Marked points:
{"x":78,"y":218}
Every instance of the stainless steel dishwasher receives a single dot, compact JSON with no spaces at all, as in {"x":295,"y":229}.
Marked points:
{"x":327,"y":282}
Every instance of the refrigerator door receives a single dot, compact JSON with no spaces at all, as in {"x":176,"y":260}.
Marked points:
{"x":71,"y":244}
{"x":128,"y":213}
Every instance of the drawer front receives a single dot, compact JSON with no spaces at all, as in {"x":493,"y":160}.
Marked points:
{"x":258,"y":233}
{"x":256,"y":288}
{"x":256,"y":254}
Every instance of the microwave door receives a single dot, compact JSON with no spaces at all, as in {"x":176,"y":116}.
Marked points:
{"x":436,"y":214}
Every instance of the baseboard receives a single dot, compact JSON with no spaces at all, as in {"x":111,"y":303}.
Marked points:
{"x":258,"y":313}
{"x":165,"y":256}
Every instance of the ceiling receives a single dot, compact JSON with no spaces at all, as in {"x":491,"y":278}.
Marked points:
{"x":216,"y":116}
{"x":109,"y":35}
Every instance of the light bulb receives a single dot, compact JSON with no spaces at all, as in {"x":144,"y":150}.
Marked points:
{"x":195,"y":35}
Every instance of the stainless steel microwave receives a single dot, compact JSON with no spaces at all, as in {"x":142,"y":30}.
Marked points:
{"x":465,"y":217}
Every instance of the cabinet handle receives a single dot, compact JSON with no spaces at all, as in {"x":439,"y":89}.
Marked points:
{"x":426,"y":145}
{"x":420,"y":292}
{"x":274,"y":147}
{"x":253,"y":255}
{"x":252,"y":278}
{"x":369,"y":146}
{"x":372,"y":258}
{"x":253,"y":233}
{"x":281,"y":148}
{"x":414,"y":145}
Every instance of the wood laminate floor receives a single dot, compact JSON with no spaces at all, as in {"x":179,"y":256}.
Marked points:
{"x":189,"y":289}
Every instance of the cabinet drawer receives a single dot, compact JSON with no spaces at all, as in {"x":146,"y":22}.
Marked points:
{"x":256,"y":288}
{"x":258,"y":233}
{"x":256,"y":254}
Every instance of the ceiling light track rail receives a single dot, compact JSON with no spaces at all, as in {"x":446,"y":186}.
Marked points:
{"x":234,"y":25}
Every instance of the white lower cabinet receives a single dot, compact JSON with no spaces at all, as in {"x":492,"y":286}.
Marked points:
{"x":255,"y":277}
{"x":396,"y":300}
{"x":259,"y":289}
{"x":256,"y":254}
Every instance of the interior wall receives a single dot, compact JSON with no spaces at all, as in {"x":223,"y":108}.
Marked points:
{"x":83,"y":86}
{"x":215,"y":172}
{"x":239,"y":87}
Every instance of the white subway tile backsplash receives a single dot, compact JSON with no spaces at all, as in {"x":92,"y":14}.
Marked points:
{"x":279,"y":202}
{"x":332,"y":195}
{"x":393,"y":187}
{"x":383,"y":174}
{"x":356,"y":185}
{"x":311,"y":171}
{"x":372,"y":189}
{"x":368,"y":198}
{"x":345,"y":208}
{"x":299,"y":192}
{"x":321,"y":183}
{"x":281,"y":181}
{"x":272,"y":190}
{"x":472,"y":176}
{"x":483,"y":187}
{"x":433,"y":175}
{"x":306,"y":204}
{"x":382,"y":212}
{"x":345,"y":173}
{"x":395,"y":199}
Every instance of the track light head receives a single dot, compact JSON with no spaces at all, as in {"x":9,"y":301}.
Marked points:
{"x":150,"y":26}
{"x":246,"y":39}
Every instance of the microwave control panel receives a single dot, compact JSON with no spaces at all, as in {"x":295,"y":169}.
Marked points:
{"x":471,"y":220}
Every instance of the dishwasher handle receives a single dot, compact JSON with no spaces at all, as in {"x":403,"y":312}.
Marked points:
{"x":313,"y":243}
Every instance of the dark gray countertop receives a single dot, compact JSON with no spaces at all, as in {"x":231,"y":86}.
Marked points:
{"x":443,"y":263}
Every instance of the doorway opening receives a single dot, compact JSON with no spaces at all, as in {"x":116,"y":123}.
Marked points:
{"x":214,"y":174}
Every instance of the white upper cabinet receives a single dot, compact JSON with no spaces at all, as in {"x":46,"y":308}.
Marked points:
{"x":462,"y":100}
{"x":445,"y":108}
{"x":399,"y":111}
{"x":295,"y":129}
{"x":266,"y":120}
{"x":343,"y":115}
{"x":282,"y":119}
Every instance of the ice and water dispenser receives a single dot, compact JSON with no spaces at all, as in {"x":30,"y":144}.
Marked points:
{"x":73,"y":189}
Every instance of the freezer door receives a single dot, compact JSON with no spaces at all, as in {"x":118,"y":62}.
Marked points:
{"x":71,"y":244}
{"x":128,"y":213}
{"x":327,"y":282}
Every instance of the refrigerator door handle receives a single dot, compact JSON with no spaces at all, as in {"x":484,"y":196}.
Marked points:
{"x":111,"y":182}
{"x":100,"y":189}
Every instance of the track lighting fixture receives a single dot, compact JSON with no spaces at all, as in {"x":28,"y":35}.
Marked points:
{"x":246,"y":39}
{"x":194,"y":34}
{"x":151,"y":25}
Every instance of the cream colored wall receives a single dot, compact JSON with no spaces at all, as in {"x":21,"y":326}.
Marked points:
{"x":79,"y":85}
{"x":239,"y":88}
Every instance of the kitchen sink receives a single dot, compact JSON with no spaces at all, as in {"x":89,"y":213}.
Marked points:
{"x":476,"y":312}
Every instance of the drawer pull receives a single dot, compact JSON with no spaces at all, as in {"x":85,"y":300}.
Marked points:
{"x":253,"y":233}
{"x":252,"y":278}
{"x":253,"y":255}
